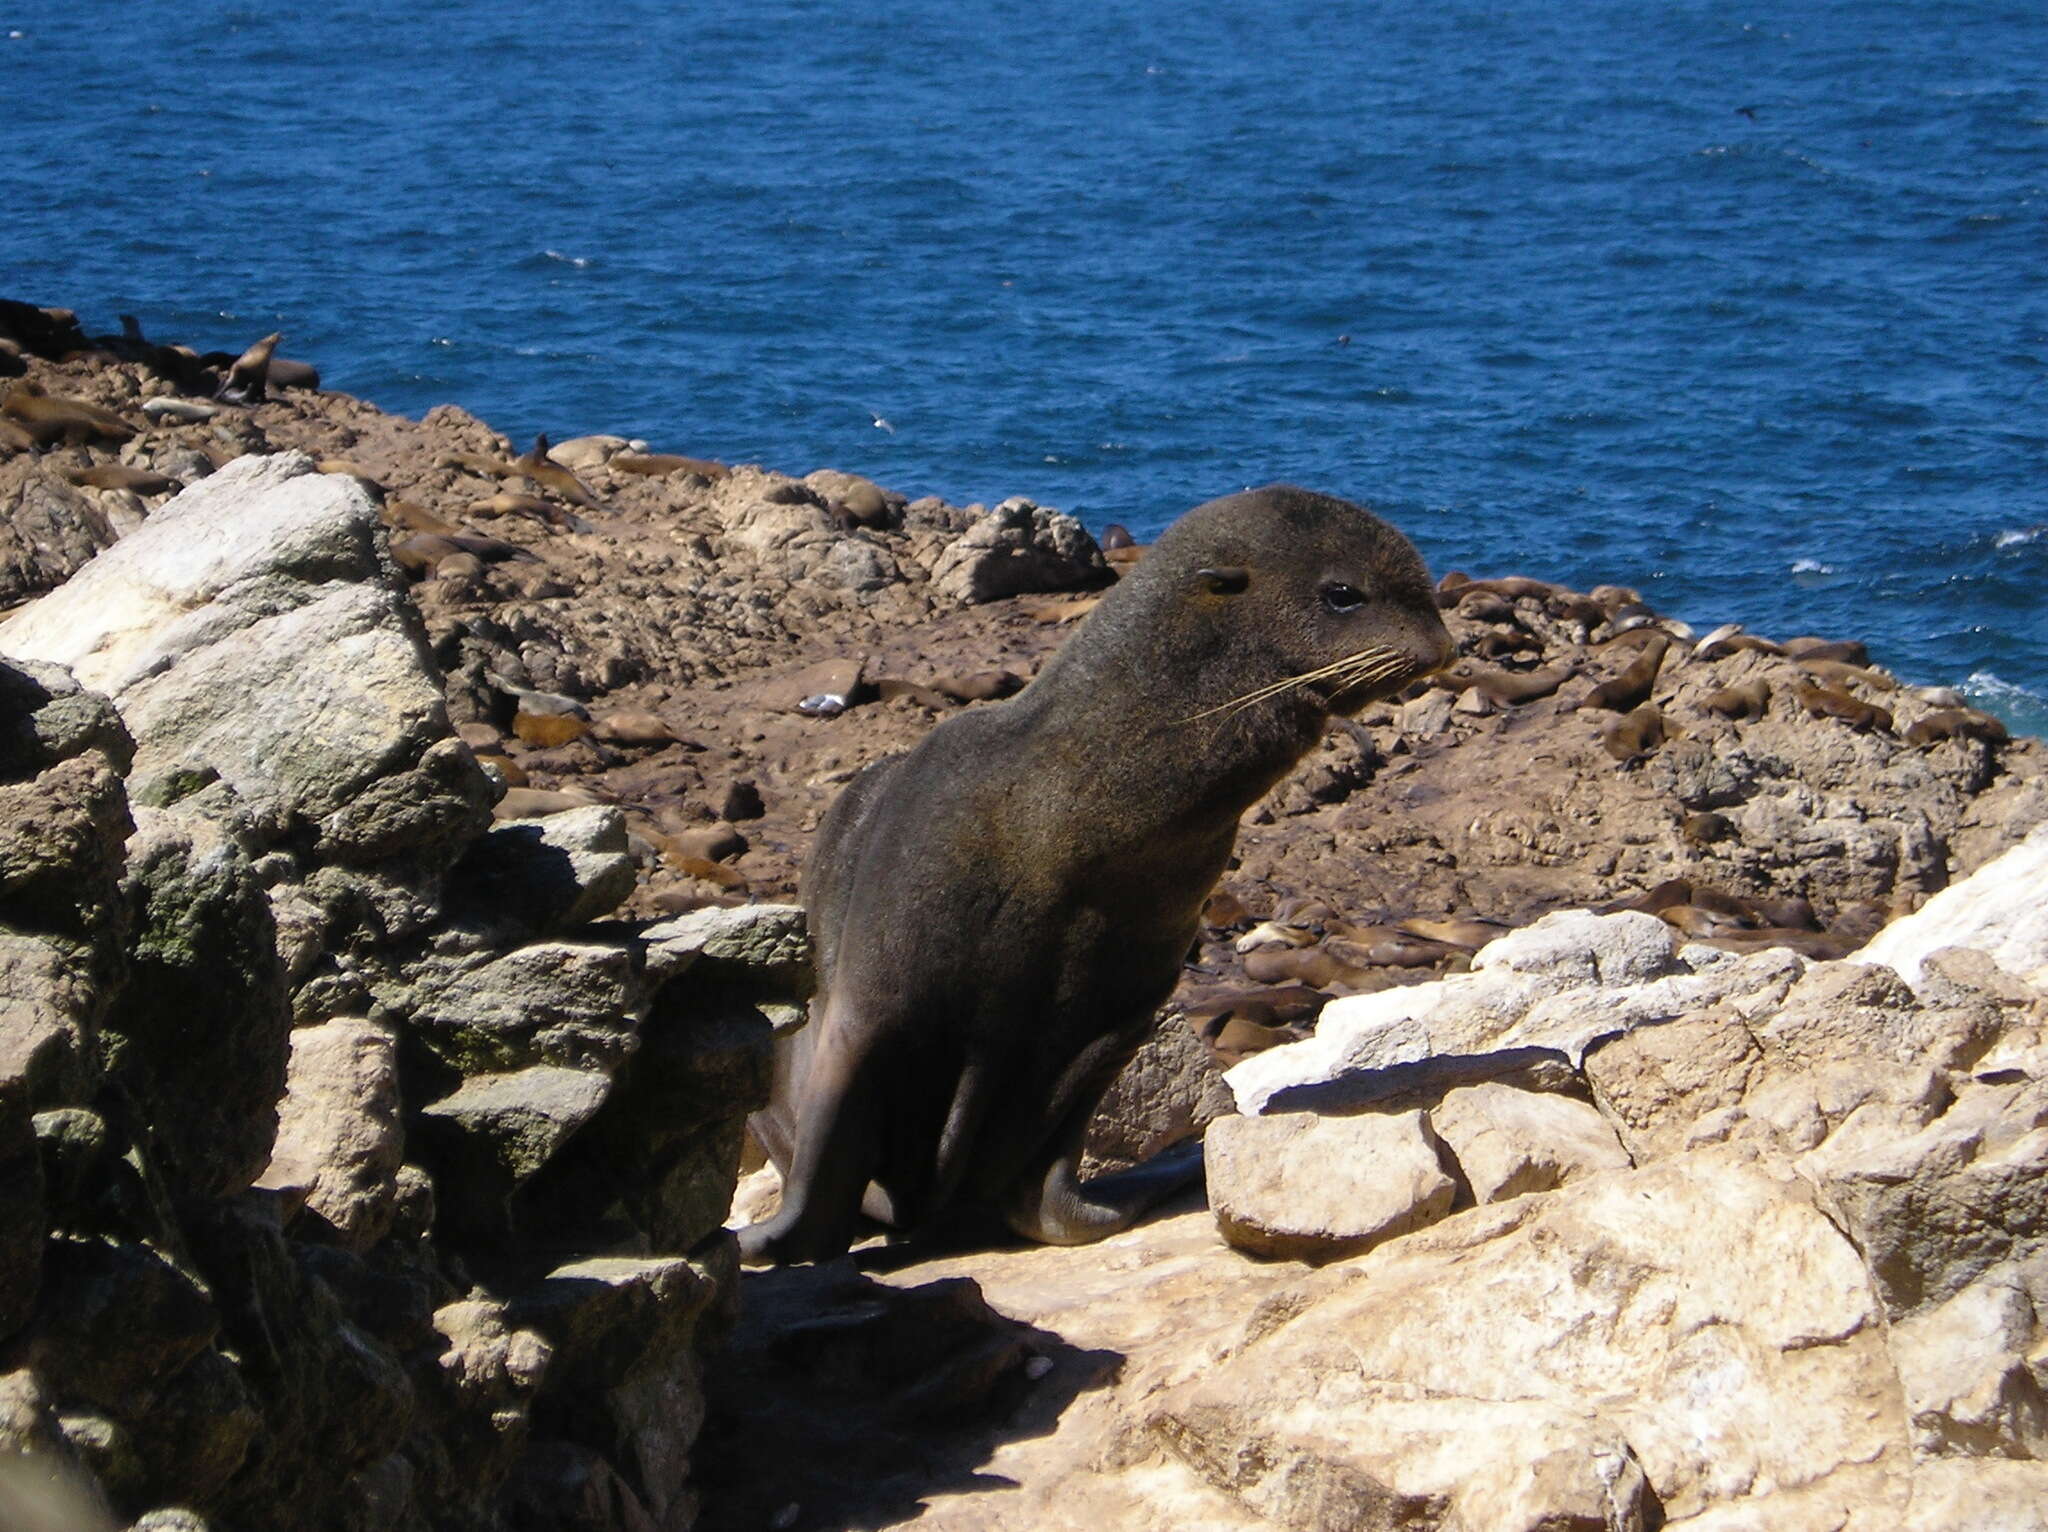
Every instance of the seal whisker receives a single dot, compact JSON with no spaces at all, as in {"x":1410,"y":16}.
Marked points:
{"x":1373,"y":663}
{"x":1272,"y":689}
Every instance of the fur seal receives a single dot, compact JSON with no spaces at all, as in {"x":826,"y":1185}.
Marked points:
{"x":1862,"y":716}
{"x":1636,"y":734}
{"x":1509,"y":687}
{"x":1839,"y":673}
{"x":1956,"y":723}
{"x":47,"y":416}
{"x":1632,"y":687}
{"x":553,"y":477}
{"x":1749,"y":699}
{"x":658,"y":465}
{"x":996,"y":915}
{"x":144,"y":481}
{"x":248,"y":375}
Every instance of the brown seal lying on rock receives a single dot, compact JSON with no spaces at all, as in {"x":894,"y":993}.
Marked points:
{"x":996,"y":915}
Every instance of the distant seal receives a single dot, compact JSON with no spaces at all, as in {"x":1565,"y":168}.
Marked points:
{"x":248,"y":376}
{"x":1749,"y":699}
{"x":996,"y":915}
{"x":553,"y":478}
{"x":48,"y":417}
{"x":1636,"y":734}
{"x":1824,"y":702}
{"x":1956,"y":723}
{"x":1632,"y":687}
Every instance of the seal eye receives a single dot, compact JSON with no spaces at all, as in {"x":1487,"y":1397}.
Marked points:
{"x":1343,"y":599}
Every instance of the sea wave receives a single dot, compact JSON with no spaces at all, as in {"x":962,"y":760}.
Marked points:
{"x":2019,"y":535}
{"x":2024,"y":711}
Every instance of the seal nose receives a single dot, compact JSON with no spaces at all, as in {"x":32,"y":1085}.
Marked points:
{"x":1431,"y":660}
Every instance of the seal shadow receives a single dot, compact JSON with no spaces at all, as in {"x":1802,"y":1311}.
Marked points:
{"x":844,"y":1402}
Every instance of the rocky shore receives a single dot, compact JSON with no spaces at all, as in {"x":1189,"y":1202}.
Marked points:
{"x":398,"y":835}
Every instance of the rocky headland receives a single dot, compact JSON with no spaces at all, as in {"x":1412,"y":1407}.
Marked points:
{"x":399,"y":829}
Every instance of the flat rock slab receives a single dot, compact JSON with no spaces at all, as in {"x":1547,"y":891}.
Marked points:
{"x":1312,"y":1188}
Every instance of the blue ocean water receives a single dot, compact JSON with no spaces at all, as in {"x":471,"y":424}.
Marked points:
{"x":1745,"y":304}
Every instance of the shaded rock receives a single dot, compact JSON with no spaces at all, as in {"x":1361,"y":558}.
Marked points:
{"x":485,"y":1379}
{"x":548,"y":874}
{"x":628,"y":1375}
{"x":1311,"y":1188}
{"x":1168,"y":1093}
{"x":22,"y":1217}
{"x":199,"y":1036}
{"x":48,"y":532}
{"x":117,"y":1322}
{"x":52,"y":996}
{"x":47,"y":717}
{"x":496,"y":1131}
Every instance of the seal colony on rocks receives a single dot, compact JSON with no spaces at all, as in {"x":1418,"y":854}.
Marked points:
{"x":996,"y":915}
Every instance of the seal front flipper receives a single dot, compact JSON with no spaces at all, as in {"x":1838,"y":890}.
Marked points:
{"x":837,"y":1142}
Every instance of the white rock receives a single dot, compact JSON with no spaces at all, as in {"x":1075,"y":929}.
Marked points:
{"x":1505,"y":1367}
{"x":2001,"y":909}
{"x":1577,"y":945}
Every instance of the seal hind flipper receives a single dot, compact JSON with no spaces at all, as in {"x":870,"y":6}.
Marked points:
{"x":1050,"y":1203}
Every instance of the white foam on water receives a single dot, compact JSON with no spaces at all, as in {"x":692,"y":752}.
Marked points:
{"x":2024,"y":711}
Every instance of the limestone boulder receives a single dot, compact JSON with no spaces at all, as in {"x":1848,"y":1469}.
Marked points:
{"x":1555,"y":985}
{"x":255,"y":632}
{"x":1999,"y":910}
{"x":1509,"y":1142}
{"x":1311,"y":1188}
{"x":1616,"y":1352}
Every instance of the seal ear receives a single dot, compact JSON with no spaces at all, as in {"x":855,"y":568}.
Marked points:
{"x":1229,"y":581}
